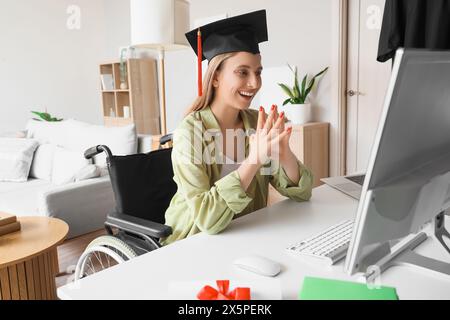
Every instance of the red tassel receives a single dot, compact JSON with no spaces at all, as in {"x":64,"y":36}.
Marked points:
{"x":199,"y":62}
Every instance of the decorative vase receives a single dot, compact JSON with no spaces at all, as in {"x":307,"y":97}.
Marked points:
{"x":123,"y":86}
{"x":298,"y":113}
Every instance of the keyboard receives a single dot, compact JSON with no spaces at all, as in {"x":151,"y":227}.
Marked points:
{"x":357,"y":179}
{"x":328,"y":246}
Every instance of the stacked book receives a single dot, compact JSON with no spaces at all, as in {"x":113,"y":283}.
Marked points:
{"x":8,"y":223}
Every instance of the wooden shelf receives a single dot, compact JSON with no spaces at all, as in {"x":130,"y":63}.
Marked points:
{"x":117,"y":121}
{"x":116,"y":90}
{"x":141,"y":96}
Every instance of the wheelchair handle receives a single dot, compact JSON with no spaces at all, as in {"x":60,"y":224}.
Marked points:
{"x":89,"y":153}
{"x":165,"y":138}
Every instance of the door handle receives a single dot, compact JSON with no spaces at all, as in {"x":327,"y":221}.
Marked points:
{"x":352,"y":93}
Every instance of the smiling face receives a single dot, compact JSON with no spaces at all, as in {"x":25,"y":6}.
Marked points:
{"x":238,"y":80}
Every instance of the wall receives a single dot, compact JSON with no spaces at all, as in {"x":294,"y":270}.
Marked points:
{"x":45,"y":65}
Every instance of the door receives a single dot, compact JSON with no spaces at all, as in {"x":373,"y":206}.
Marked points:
{"x":367,"y":81}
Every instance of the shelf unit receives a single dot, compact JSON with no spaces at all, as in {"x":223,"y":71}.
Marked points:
{"x":140,"y":95}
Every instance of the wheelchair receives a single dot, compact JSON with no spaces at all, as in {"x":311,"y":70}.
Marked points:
{"x":143,"y":187}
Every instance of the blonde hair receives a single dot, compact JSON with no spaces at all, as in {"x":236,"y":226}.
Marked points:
{"x":208,"y":90}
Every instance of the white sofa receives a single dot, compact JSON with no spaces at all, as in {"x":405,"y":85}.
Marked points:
{"x":82,"y":204}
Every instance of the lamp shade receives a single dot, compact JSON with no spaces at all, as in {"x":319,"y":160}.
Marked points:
{"x":159,"y":24}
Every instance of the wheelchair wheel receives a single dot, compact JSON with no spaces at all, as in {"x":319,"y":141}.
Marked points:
{"x":102,"y":253}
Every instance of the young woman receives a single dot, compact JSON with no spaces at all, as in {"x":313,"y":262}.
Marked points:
{"x":219,"y":178}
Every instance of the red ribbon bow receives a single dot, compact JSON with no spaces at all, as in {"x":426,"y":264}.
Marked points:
{"x":209,"y":293}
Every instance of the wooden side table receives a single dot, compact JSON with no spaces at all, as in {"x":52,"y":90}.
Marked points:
{"x":310,"y":144}
{"x":29,"y":259}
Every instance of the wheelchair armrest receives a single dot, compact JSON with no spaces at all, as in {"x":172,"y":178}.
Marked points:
{"x":150,"y":228}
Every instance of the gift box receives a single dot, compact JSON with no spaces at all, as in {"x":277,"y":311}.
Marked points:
{"x":223,"y":292}
{"x":260,"y":289}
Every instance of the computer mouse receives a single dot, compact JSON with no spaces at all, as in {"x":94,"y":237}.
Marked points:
{"x":258,"y":265}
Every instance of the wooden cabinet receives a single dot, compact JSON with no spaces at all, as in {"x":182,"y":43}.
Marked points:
{"x":310,"y":143}
{"x":140,"y":95}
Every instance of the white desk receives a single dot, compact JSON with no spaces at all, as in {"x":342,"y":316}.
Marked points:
{"x":265,"y":232}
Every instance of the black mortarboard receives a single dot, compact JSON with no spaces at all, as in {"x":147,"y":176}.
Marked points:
{"x":239,"y":33}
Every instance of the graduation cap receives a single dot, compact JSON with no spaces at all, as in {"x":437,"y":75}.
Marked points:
{"x":239,"y":33}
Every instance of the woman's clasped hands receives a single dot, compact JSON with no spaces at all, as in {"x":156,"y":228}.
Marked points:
{"x":271,"y":138}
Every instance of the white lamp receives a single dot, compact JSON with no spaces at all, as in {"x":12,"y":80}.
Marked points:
{"x":160,"y":25}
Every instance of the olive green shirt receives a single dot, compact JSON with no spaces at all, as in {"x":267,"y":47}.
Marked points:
{"x":206,"y":202}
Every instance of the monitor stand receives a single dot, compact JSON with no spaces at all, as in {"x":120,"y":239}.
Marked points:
{"x":402,"y":254}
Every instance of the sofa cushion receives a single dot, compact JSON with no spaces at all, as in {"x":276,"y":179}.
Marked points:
{"x":88,"y":172}
{"x":121,"y":140}
{"x":20,"y":198}
{"x":42,"y":164}
{"x":67,"y":164}
{"x":77,"y":135}
{"x":48,"y":132}
{"x":16,"y":156}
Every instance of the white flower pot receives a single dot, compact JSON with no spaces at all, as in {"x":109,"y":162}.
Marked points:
{"x":298,"y":113}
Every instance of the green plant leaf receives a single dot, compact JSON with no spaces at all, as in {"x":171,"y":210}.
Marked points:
{"x":36,"y":113}
{"x":321,"y":72}
{"x":287,"y":90}
{"x":310,"y":86}
{"x":45,"y":116}
{"x":296,"y":88}
{"x":291,"y":68}
{"x":285,"y":102}
{"x":296,"y":91}
{"x":302,"y":95}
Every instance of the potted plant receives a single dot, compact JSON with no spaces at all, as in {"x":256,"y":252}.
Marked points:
{"x":45,"y":116}
{"x":296,"y":107}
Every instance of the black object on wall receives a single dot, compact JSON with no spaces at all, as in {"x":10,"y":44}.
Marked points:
{"x":414,"y":24}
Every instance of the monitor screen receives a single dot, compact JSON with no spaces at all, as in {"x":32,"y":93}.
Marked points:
{"x":408,"y":177}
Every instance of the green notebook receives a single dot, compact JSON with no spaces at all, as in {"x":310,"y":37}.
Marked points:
{"x":328,"y":289}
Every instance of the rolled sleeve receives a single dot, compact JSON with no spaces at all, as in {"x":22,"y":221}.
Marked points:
{"x":298,"y":192}
{"x":231,"y":191}
{"x":211,"y":207}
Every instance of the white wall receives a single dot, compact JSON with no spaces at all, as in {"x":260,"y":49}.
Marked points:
{"x":43,"y":64}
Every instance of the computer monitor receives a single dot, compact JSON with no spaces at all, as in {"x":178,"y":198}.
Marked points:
{"x":407,"y":181}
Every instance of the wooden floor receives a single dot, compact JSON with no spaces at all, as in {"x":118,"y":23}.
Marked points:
{"x":70,"y":251}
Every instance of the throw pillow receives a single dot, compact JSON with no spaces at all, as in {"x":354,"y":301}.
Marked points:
{"x":82,"y":136}
{"x":41,"y":167}
{"x":16,"y":155}
{"x":88,"y":172}
{"x":67,"y":164}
